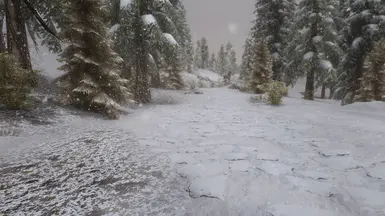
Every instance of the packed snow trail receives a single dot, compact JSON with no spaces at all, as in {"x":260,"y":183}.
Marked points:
{"x":208,"y":154}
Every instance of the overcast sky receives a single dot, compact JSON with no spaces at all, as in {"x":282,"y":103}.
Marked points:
{"x":211,"y":19}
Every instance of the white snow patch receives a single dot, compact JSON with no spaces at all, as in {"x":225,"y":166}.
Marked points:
{"x":308,"y":55}
{"x":214,"y":187}
{"x":124,"y":3}
{"x":325,"y":64}
{"x":295,"y":210}
{"x":202,"y":170}
{"x":148,"y":19}
{"x":170,"y":39}
{"x":317,"y":39}
{"x":113,"y":29}
{"x":242,"y":166}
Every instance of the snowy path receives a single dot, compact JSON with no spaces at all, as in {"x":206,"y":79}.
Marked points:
{"x":304,"y":158}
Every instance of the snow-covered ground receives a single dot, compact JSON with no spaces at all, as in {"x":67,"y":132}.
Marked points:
{"x":208,"y":154}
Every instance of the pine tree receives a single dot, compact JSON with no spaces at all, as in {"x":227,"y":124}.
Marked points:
{"x":17,"y":43}
{"x":50,"y":10}
{"x":162,"y":28}
{"x":231,"y":65}
{"x":204,"y":54}
{"x":364,"y":26}
{"x":198,"y":55}
{"x":272,"y":22}
{"x":314,"y":49}
{"x":183,"y":35}
{"x":175,"y":67}
{"x":262,"y":70}
{"x":222,"y":61}
{"x":92,"y":80}
{"x":373,"y":80}
{"x":247,"y":59}
{"x":212,"y":62}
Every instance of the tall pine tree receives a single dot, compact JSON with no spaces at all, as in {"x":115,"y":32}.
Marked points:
{"x":314,"y":50}
{"x":365,"y":25}
{"x":92,"y":79}
{"x":204,"y":54}
{"x":272,"y":22}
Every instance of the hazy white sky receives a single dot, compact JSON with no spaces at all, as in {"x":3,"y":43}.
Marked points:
{"x":211,"y":19}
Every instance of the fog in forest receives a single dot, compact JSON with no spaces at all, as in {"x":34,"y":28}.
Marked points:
{"x":220,"y":21}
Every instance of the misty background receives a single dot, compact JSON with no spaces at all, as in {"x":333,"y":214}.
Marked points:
{"x":220,"y":21}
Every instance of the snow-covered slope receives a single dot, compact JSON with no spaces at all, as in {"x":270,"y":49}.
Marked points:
{"x":232,"y":157}
{"x":201,"y":79}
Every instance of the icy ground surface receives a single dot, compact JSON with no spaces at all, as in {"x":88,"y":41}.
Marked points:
{"x":209,"y":154}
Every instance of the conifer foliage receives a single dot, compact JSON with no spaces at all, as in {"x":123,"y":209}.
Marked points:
{"x":314,"y":51}
{"x":272,"y":22}
{"x":261,"y":75}
{"x":373,"y":81}
{"x":92,"y":80}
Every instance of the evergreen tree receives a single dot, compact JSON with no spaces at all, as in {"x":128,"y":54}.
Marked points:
{"x":17,"y":43}
{"x":231,"y":65}
{"x":182,"y":34}
{"x":212,"y":62}
{"x":222,"y":61}
{"x":232,"y":56}
{"x":365,"y":24}
{"x":204,"y":54}
{"x":198,"y":55}
{"x":92,"y":79}
{"x":314,"y":49}
{"x":272,"y":22}
{"x":247,"y":59}
{"x":373,"y":80}
{"x":50,"y":10}
{"x":262,"y":69}
{"x":175,"y":67}
{"x":163,"y":28}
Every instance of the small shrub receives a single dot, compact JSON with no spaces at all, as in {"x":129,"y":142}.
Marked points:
{"x":258,"y":99}
{"x":275,"y":93}
{"x":15,"y":82}
{"x":191,"y":84}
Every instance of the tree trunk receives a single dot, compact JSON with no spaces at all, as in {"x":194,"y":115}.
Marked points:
{"x":323,"y":91}
{"x":155,"y":80}
{"x":17,"y":43}
{"x":309,"y":88}
{"x":332,"y":90}
{"x":310,"y":77}
{"x":2,"y":41}
{"x":142,"y":92}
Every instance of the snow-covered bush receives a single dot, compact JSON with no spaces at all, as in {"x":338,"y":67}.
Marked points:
{"x":15,"y":82}
{"x":258,"y":99}
{"x":275,"y":93}
{"x":191,"y":84}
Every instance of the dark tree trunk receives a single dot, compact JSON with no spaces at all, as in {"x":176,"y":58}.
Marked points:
{"x":142,"y":92}
{"x":2,"y":41}
{"x":155,"y":80}
{"x":358,"y":72}
{"x":332,"y":90}
{"x":309,"y":88}
{"x":323,"y":91}
{"x":17,"y":43}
